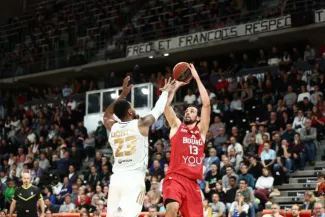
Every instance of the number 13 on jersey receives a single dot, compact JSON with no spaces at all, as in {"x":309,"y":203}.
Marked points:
{"x":194,"y":150}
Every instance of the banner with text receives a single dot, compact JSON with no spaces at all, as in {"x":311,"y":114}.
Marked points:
{"x":217,"y":34}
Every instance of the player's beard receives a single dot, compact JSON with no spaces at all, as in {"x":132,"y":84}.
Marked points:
{"x":189,"y":121}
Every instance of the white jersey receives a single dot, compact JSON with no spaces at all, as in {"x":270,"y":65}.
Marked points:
{"x":130,"y":147}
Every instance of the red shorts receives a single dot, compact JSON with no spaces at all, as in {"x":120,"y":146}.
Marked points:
{"x":186,"y":192}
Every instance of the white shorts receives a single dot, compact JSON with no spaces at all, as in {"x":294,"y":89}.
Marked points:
{"x":126,"y":193}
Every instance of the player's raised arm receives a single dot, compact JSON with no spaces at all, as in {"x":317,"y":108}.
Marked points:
{"x":169,"y":112}
{"x":146,"y":121}
{"x":206,"y":108}
{"x":109,"y":113}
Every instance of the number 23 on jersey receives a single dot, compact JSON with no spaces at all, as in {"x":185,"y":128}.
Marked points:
{"x":130,"y":142}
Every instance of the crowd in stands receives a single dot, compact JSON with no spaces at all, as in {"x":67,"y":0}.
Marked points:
{"x":68,"y":33}
{"x":61,"y":34}
{"x":261,"y":131}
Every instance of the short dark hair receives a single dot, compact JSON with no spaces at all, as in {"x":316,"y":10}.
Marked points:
{"x":121,"y":108}
{"x":233,"y":177}
{"x":244,"y":180}
{"x":197,"y":108}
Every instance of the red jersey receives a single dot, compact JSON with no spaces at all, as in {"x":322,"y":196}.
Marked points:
{"x":187,"y":153}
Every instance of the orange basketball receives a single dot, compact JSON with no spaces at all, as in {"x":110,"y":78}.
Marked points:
{"x":182,"y":72}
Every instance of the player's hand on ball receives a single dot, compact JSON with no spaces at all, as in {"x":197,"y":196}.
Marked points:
{"x":194,"y":72}
{"x":126,"y":86}
{"x":182,"y":83}
{"x":169,"y":85}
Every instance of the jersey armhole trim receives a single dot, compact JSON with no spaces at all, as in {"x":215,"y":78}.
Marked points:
{"x":178,"y":129}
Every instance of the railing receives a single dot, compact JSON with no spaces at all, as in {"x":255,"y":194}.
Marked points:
{"x":141,"y":96}
{"x":68,"y":57}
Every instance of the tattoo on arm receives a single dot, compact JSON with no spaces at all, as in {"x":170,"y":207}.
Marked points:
{"x":148,"y":120}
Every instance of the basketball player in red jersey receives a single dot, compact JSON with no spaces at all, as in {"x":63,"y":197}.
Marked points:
{"x":181,"y":192}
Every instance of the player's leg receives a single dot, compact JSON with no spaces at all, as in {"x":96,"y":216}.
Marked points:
{"x":113,"y":199}
{"x":132,"y":199}
{"x":173,"y":193}
{"x":172,"y":208}
{"x":192,"y":205}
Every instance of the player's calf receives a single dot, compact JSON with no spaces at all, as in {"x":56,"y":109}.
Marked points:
{"x":171,"y":208}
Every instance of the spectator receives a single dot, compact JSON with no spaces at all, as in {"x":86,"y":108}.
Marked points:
{"x":190,"y":98}
{"x":309,"y":54}
{"x":315,"y":96}
{"x":284,"y":161}
{"x":263,"y":186}
{"x":156,"y":170}
{"x":254,"y":133}
{"x":255,"y":168}
{"x":9,"y":192}
{"x":146,"y":204}
{"x":44,"y":163}
{"x":207,"y":211}
{"x":94,"y":177}
{"x":290,"y":98}
{"x":66,"y":189}
{"x":231,"y":193}
{"x":248,"y":194}
{"x":224,"y":164}
{"x":318,"y":210}
{"x":239,"y":207}
{"x":52,"y":207}
{"x":99,"y":194}
{"x":81,"y":195}
{"x":268,"y":156}
{"x":218,"y":207}
{"x":295,"y":209}
{"x":251,"y":148}
{"x":89,"y":145}
{"x":275,"y":211}
{"x":215,"y":127}
{"x":309,"y":201}
{"x":225,"y":178}
{"x":309,"y":136}
{"x":84,"y":205}
{"x":288,"y":133}
{"x":238,"y":151}
{"x":320,"y":186}
{"x":67,"y":206}
{"x":306,"y":106}
{"x":101,"y":207}
{"x":245,"y":175}
{"x":48,"y":193}
{"x":63,"y":165}
{"x":36,"y":173}
{"x":298,"y":151}
{"x":154,"y":194}
{"x":220,"y":140}
{"x":100,"y":134}
{"x":66,"y":91}
{"x":211,"y":178}
{"x":72,"y":175}
{"x":212,"y":159}
{"x":304,"y":94}
{"x":152,"y":211}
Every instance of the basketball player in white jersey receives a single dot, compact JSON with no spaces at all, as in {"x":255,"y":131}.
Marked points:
{"x":129,"y":140}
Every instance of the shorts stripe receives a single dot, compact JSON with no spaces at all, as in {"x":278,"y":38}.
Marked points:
{"x":140,"y":197}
